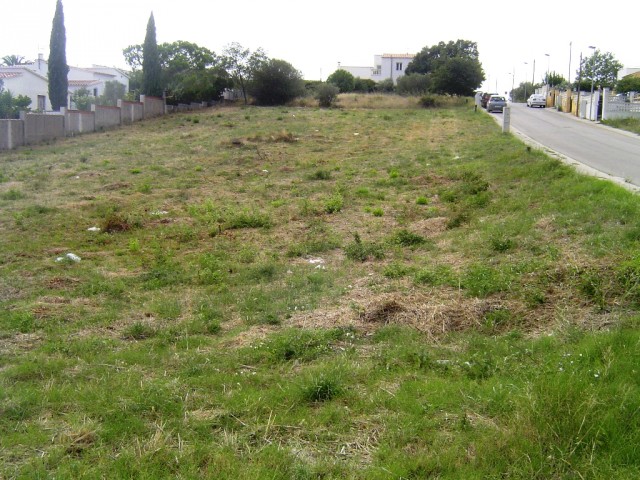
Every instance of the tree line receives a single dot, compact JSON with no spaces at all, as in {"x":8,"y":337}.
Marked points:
{"x":185,"y":72}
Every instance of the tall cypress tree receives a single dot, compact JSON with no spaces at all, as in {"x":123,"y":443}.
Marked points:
{"x":58,"y":68}
{"x":151,"y":70}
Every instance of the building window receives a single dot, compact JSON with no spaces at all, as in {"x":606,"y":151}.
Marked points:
{"x":42,"y":103}
{"x":399,"y":66}
{"x":95,"y":92}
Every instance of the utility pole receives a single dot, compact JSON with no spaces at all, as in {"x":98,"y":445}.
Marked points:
{"x":592,"y":78}
{"x":569,"y":76}
{"x":525,"y":82}
{"x":578,"y":87}
{"x":533,"y":77}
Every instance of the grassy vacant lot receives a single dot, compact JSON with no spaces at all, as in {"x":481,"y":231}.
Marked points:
{"x":364,"y":293}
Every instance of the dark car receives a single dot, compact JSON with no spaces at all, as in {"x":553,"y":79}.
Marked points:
{"x":485,"y":98}
{"x":496,"y":103}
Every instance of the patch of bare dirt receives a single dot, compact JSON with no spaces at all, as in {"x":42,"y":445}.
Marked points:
{"x":430,"y":227}
{"x":19,"y":342}
{"x":116,"y":186}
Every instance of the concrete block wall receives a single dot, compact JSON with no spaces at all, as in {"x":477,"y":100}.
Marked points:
{"x":106,"y":117}
{"x":78,"y":121}
{"x":153,"y":106}
{"x":131,"y":111}
{"x":40,"y":127}
{"x":36,"y":127}
{"x":11,"y":134}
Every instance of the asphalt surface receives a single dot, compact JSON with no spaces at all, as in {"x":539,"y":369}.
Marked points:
{"x":597,"y":149}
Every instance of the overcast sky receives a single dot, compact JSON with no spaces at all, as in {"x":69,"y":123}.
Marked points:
{"x":315,"y":36}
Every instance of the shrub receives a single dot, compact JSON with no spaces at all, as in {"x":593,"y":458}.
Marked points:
{"x":429,"y":101}
{"x":364,"y":85}
{"x":413,"y":84}
{"x":386,"y":86}
{"x":326,"y":94}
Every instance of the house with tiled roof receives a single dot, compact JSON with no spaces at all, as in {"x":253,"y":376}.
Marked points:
{"x":31,"y":80}
{"x":20,"y":80}
{"x":386,"y":66}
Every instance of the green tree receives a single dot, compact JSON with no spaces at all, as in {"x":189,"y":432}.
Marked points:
{"x":83,"y":99}
{"x":601,"y":69}
{"x":113,"y":91}
{"x":151,"y":70}
{"x":12,"y":60}
{"x":523,"y":91}
{"x":342,"y":79}
{"x":276,"y":82}
{"x":58,"y":68}
{"x":554,"y":79}
{"x":454,"y":67}
{"x":190,"y":73}
{"x":200,"y":85}
{"x":457,"y":76}
{"x":413,"y":84}
{"x":629,"y":83}
{"x":241,"y":62}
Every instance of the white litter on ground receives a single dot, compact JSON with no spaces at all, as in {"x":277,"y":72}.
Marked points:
{"x":93,"y":229}
{"x":69,"y":256}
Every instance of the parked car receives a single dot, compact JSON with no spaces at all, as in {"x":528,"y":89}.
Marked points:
{"x":485,"y":98}
{"x":536,"y":100}
{"x":496,"y":103}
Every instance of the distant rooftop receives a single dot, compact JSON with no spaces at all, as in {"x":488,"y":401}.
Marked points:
{"x":10,"y":74}
{"x":394,"y":55}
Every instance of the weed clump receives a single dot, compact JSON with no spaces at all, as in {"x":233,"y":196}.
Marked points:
{"x":334,"y":204}
{"x":138,"y":331}
{"x":405,"y":238}
{"x":322,"y":388}
{"x":115,"y":222}
{"x":362,"y":251}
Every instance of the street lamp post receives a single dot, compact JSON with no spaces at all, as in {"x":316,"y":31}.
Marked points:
{"x":591,"y":101}
{"x":513,"y":82}
{"x":548,"y":59}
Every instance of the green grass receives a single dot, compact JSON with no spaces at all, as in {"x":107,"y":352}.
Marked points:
{"x":629,"y":124}
{"x":272,"y":296}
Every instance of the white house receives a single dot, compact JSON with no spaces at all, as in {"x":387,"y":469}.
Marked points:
{"x":23,"y":81}
{"x":31,"y":80}
{"x":388,"y":65}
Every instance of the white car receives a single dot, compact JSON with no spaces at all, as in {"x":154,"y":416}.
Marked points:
{"x":537,"y":100}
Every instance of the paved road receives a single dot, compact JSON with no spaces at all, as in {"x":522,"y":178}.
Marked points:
{"x":604,"y":149}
